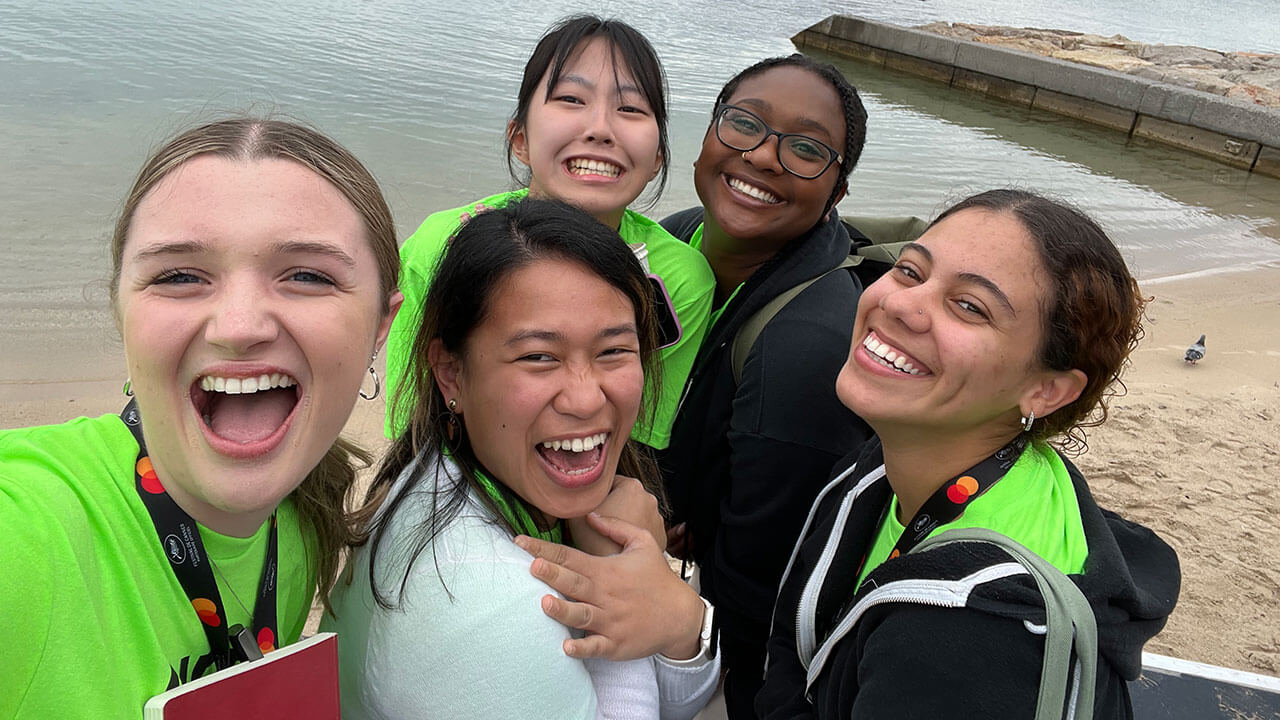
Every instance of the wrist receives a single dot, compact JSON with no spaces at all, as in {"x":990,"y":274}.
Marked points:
{"x":697,"y":638}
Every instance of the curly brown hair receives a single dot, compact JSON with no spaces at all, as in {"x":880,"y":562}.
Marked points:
{"x":1093,"y":314}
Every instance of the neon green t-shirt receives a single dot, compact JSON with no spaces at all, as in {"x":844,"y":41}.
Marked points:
{"x":683,"y":270}
{"x":1034,"y":504}
{"x":93,"y":621}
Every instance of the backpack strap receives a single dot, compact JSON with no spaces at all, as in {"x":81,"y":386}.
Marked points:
{"x":871,"y":258}
{"x":882,"y":230}
{"x":1070,"y":627}
{"x":750,"y":331}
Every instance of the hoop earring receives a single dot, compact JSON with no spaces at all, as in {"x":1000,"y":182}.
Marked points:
{"x":452,"y":428}
{"x":1028,"y":420}
{"x":377,"y":384}
{"x":128,"y":387}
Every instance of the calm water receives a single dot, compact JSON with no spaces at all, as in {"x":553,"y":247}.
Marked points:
{"x":421,"y":91}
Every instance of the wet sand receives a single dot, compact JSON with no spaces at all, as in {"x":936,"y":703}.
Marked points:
{"x":1191,"y":451}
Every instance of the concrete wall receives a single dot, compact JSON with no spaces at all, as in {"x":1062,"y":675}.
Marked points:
{"x":1238,"y":133}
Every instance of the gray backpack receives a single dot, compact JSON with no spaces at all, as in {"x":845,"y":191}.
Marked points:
{"x":887,"y":235}
{"x":1071,"y":628}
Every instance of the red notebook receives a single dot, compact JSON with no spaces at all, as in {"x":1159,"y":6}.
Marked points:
{"x":296,"y":681}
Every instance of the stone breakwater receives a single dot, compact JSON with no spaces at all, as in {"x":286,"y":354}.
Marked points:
{"x":1210,"y":103}
{"x":1253,"y":77}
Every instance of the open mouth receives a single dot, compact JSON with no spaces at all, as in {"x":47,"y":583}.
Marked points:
{"x":584,"y":166}
{"x":892,"y":358}
{"x":751,"y":191}
{"x":245,"y":416}
{"x":574,"y":462}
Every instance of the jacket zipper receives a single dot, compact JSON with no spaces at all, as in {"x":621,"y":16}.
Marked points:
{"x":807,"y":607}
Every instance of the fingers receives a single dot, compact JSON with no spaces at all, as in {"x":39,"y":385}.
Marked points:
{"x":561,"y":579}
{"x":591,"y":646}
{"x":553,"y":552}
{"x":675,"y":535}
{"x":620,"y":531}
{"x":572,"y":614}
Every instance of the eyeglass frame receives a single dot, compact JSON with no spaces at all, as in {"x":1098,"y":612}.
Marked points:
{"x":836,"y":156}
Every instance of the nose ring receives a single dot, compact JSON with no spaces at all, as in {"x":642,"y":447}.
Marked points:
{"x":919,"y":312}
{"x":744,"y":154}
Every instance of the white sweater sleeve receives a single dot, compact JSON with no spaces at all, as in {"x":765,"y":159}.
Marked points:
{"x":683,"y":690}
{"x":469,"y":640}
{"x":624,"y":690}
{"x":652,"y":688}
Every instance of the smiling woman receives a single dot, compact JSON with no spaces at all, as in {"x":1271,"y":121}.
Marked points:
{"x":1000,"y":330}
{"x":590,"y":126}
{"x":531,"y":356}
{"x":783,"y":136}
{"x":254,"y":276}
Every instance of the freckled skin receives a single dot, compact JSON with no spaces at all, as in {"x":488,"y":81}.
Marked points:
{"x":235,"y":301}
{"x":979,"y":367}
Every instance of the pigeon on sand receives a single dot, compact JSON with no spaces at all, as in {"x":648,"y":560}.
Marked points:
{"x":1195,"y":352}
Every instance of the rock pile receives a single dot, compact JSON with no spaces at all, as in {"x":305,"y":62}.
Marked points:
{"x":1247,"y":76}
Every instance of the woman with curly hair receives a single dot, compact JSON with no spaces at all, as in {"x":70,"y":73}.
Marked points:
{"x":977,"y":360}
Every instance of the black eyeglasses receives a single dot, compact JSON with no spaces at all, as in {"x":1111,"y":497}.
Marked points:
{"x":799,"y":155}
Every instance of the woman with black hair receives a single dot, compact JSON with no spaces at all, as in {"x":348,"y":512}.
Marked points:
{"x":978,"y":359}
{"x":757,"y":434}
{"x":536,"y":338}
{"x":759,"y":424}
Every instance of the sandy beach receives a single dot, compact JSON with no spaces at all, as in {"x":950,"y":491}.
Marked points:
{"x":1191,"y":451}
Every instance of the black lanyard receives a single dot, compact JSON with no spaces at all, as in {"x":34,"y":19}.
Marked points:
{"x":949,"y":501}
{"x":180,"y":540}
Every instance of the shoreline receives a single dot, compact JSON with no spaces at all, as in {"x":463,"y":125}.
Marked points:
{"x":1048,"y":70}
{"x":1189,"y":451}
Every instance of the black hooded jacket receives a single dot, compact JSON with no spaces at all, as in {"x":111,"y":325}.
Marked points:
{"x":746,"y":461}
{"x":905,"y":657}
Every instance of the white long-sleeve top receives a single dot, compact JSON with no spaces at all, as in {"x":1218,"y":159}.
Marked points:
{"x":469,"y":638}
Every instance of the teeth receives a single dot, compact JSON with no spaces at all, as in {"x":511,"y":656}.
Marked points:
{"x":246,"y":386}
{"x":752,"y":191}
{"x":583,"y":166}
{"x":888,"y":356}
{"x":582,"y":444}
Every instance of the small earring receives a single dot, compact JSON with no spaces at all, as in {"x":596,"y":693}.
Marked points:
{"x":452,"y":427}
{"x":128,"y":387}
{"x":377,"y":384}
{"x":1028,"y":420}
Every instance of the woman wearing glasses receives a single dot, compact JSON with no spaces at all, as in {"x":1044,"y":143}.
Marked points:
{"x":748,"y":457}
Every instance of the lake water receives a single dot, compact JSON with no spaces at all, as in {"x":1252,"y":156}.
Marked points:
{"x":421,"y":92}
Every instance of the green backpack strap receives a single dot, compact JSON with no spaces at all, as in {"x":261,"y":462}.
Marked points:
{"x":887,"y":234}
{"x":750,"y":331}
{"x":1071,"y":626}
{"x":887,"y":230}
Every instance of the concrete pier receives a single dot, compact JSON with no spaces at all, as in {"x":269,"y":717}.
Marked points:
{"x":1236,"y":132}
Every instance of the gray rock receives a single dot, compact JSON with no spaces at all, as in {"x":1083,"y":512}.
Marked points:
{"x":1265,"y":78}
{"x":1181,"y":55}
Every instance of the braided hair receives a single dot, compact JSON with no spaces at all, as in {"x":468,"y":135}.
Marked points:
{"x":855,"y":115}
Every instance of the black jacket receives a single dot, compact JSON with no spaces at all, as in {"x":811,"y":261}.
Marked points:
{"x":906,"y":658}
{"x":745,"y":463}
